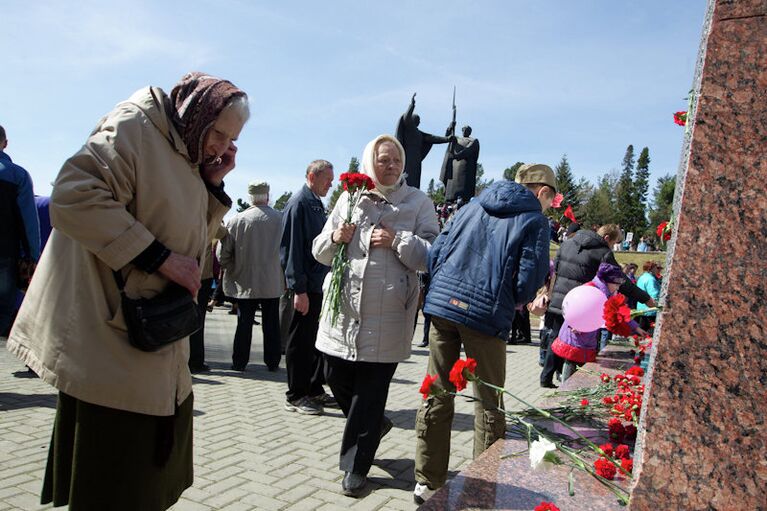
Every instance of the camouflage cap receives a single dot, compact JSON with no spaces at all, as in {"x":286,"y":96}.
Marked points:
{"x":536,"y":173}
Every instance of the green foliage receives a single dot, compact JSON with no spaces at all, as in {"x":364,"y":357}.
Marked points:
{"x":282,"y":201}
{"x":662,"y":203}
{"x":599,"y":207}
{"x":510,"y":173}
{"x":641,"y":185}
{"x":625,"y":198}
{"x":481,"y":183}
{"x":436,"y":192}
{"x":354,"y":166}
{"x":566,"y":184}
{"x":242,"y":205}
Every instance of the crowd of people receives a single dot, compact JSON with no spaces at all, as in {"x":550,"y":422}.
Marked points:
{"x":139,"y":209}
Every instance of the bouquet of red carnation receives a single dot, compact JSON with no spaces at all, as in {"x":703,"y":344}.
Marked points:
{"x":354,"y":184}
{"x":664,"y":231}
{"x":617,"y":315}
{"x":680,"y":118}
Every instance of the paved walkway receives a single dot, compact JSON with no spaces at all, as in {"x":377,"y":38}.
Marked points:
{"x":249,"y":452}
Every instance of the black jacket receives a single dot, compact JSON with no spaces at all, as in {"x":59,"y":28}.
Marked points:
{"x":303,"y":219}
{"x":576,"y":263}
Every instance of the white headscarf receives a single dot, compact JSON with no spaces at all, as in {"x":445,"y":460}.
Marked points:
{"x":368,"y":162}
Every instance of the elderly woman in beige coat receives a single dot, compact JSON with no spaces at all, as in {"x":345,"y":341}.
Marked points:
{"x":388,"y":240}
{"x":141,"y":198}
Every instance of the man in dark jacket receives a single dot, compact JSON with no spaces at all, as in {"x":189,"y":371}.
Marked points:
{"x":576,"y":263}
{"x":303,"y":219}
{"x":492,"y":257}
{"x":19,"y":230}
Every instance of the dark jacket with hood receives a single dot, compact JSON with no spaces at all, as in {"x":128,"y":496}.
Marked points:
{"x":577,"y":262}
{"x":490,"y":258}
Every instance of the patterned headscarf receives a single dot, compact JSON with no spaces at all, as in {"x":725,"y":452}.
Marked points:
{"x":197,"y":100}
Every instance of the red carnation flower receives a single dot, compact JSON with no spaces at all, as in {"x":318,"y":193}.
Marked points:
{"x":617,"y":315}
{"x":622,"y":452}
{"x":627,"y":464}
{"x":457,"y":377}
{"x":630,"y":431}
{"x":680,"y":118}
{"x":605,"y":377}
{"x":584,"y":402}
{"x":635,"y":371}
{"x":546,"y":506}
{"x":428,"y":381}
{"x":615,"y":427}
{"x":605,"y":468}
{"x":607,"y":448}
{"x":637,"y":359}
{"x":607,"y":400}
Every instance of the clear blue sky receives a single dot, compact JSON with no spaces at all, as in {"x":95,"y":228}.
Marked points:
{"x":535,"y":80}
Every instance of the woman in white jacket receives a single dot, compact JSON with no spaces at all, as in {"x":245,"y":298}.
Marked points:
{"x":388,"y":240}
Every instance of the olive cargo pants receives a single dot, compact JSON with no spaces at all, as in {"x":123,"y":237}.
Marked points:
{"x":435,"y":416}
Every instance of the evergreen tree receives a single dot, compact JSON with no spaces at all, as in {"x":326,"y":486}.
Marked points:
{"x":437,"y":193}
{"x":624,"y":193}
{"x":510,"y":173}
{"x":354,"y":166}
{"x":566,"y":183}
{"x":481,"y":184}
{"x":242,"y":205}
{"x":599,"y":206}
{"x":662,"y":203}
{"x":282,"y":201}
{"x":430,"y":188}
{"x":641,"y":185}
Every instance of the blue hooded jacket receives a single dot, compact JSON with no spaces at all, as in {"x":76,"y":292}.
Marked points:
{"x":492,"y":257}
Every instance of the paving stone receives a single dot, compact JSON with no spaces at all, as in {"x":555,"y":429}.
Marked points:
{"x":250,"y":453}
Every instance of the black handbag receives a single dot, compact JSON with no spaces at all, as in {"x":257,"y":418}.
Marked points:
{"x":155,"y":322}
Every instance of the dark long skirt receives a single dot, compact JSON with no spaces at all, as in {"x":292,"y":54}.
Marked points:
{"x":107,"y":459}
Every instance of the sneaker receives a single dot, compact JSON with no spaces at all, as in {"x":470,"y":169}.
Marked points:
{"x":353,"y":484}
{"x":548,"y":385}
{"x":304,"y":406}
{"x":422,"y":493}
{"x":325,"y":400}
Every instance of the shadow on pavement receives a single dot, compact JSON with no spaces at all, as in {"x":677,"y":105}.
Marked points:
{"x":13,"y":401}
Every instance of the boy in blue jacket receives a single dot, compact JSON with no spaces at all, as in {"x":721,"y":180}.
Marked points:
{"x":491,"y":257}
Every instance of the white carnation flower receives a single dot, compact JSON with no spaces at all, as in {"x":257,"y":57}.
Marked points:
{"x":543,"y":454}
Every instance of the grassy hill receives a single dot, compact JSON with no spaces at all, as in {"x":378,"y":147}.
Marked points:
{"x":637,"y":258}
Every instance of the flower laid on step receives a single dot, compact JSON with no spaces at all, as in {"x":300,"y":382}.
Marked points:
{"x":547,"y":449}
{"x":546,"y":506}
{"x":354,"y":184}
{"x":543,"y":454}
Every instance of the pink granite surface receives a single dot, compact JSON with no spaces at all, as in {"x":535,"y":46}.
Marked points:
{"x":494,"y":482}
{"x":704,"y":437}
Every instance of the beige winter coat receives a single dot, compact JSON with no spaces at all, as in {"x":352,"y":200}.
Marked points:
{"x":380,"y":292}
{"x":131,"y":182}
{"x":250,"y":254}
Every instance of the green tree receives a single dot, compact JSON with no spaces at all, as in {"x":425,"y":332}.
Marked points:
{"x":354,"y":166}
{"x":625,"y":198}
{"x":481,"y":183}
{"x":566,"y":183}
{"x":242,"y":205}
{"x":436,"y":192}
{"x":662,"y":202}
{"x":510,"y":173}
{"x":282,"y":201}
{"x":641,"y":185}
{"x":599,"y":205}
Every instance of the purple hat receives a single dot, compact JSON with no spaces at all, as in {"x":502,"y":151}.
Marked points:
{"x":611,"y":274}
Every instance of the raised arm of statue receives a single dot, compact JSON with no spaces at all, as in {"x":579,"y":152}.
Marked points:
{"x":411,"y":108}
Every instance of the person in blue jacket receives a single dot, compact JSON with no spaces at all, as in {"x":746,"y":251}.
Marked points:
{"x":19,"y":230}
{"x":649,"y":283}
{"x":492,"y":256}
